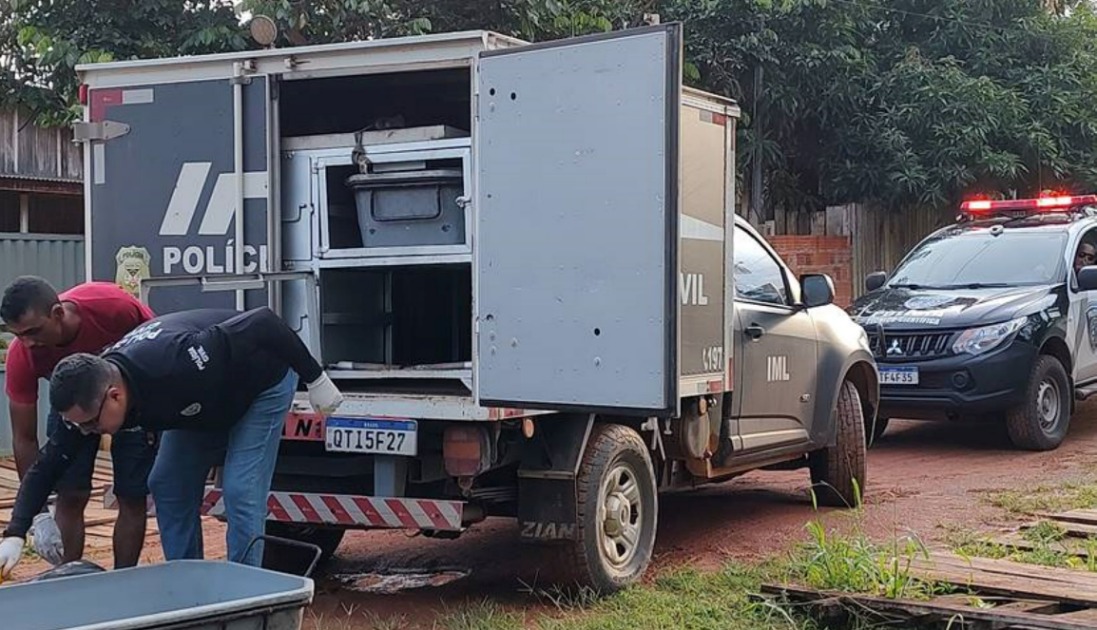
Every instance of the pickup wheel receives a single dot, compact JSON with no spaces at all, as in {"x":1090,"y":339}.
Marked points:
{"x":617,"y":510}
{"x":1041,"y":421}
{"x":292,"y":560}
{"x":838,"y":472}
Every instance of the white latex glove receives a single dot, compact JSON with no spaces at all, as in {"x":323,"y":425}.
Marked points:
{"x":324,"y":397}
{"x":46,"y":539}
{"x":11,"y":552}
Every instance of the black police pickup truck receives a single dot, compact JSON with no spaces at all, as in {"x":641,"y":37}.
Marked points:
{"x":993,"y":316}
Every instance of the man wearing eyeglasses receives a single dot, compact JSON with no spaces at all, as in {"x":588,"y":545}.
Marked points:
{"x":49,"y":327}
{"x":219,"y":384}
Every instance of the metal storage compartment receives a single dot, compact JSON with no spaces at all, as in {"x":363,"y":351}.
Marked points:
{"x":182,"y":594}
{"x":409,"y":208}
{"x":400,"y":317}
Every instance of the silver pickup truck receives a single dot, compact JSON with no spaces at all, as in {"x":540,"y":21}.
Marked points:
{"x":513,"y":258}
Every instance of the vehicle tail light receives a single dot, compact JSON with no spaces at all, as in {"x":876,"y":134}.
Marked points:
{"x":83,"y":94}
{"x":466,"y":451}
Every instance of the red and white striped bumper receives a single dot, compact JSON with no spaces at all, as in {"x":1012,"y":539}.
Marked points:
{"x":351,"y":510}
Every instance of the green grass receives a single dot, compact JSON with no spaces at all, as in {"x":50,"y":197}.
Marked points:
{"x":687,"y":598}
{"x":1051,"y":547}
{"x":479,"y":615}
{"x":1075,"y":495}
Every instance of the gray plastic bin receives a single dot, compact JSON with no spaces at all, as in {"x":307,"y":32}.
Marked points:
{"x":190,"y":594}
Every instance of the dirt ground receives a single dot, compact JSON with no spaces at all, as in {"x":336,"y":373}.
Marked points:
{"x":924,"y":478}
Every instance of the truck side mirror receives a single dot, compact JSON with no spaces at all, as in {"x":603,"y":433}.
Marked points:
{"x":818,"y":289}
{"x":875,"y":280}
{"x":1087,"y":278}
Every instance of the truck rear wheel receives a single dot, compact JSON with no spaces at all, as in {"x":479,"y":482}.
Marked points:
{"x":1040,"y":422}
{"x":838,"y":472}
{"x":294,"y":560}
{"x":617,"y":510}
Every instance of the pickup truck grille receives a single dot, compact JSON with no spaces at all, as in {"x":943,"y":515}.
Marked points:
{"x":902,"y":346}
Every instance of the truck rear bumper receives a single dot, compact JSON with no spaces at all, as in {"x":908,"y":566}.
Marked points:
{"x":351,"y":511}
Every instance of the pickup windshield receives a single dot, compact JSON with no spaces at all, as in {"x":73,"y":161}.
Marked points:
{"x":980,"y":259}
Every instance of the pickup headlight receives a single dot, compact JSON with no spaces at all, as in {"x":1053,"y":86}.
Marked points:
{"x":987,"y":338}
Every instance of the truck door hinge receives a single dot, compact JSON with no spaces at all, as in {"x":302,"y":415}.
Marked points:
{"x":105,"y":130}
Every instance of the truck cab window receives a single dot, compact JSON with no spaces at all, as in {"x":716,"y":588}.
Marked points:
{"x":758,"y":277}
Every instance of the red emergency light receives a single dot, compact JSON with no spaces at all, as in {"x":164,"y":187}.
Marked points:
{"x":1038,"y":203}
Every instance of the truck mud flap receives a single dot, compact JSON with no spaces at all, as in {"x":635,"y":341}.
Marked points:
{"x":547,"y":502}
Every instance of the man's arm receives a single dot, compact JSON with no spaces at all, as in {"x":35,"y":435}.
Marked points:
{"x":21,"y":384}
{"x":54,"y":459}
{"x":261,"y":329}
{"x":24,"y":435}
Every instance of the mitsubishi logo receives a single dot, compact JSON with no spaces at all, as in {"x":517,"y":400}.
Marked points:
{"x":895,"y":350}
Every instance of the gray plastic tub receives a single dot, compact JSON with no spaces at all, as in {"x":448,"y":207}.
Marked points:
{"x":190,"y":594}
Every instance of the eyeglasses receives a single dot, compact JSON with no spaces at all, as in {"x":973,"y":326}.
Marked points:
{"x":88,"y":426}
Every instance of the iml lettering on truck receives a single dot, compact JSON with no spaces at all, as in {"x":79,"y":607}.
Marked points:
{"x":216,"y":220}
{"x":777,"y":369}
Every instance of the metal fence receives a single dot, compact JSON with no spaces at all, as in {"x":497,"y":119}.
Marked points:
{"x":57,"y":258}
{"x":5,"y":421}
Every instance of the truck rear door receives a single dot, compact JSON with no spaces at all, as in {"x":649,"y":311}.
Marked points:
{"x":576,"y":242}
{"x":161,"y":163}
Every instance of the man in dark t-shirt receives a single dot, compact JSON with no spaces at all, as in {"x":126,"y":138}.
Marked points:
{"x":218,"y":384}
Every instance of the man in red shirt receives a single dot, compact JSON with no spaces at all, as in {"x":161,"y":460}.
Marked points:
{"x":49,"y":327}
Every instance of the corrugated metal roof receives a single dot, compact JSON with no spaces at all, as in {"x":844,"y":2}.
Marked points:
{"x":41,"y":178}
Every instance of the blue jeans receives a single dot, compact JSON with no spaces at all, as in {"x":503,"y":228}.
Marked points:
{"x":250,"y":448}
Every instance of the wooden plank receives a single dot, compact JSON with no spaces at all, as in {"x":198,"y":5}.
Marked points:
{"x":1085,"y":615}
{"x":1082,"y":517}
{"x":1014,"y":579}
{"x":1009,"y":569}
{"x":919,"y":609}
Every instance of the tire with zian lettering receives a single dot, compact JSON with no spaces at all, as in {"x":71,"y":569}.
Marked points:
{"x":617,"y":510}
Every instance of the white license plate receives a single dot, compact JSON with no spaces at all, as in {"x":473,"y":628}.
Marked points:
{"x":899,"y":376}
{"x":379,"y":437}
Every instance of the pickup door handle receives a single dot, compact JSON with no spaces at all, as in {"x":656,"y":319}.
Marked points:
{"x":755,"y":332}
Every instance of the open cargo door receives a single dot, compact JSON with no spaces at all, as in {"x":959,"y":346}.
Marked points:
{"x":577,"y":223}
{"x":161,"y":162}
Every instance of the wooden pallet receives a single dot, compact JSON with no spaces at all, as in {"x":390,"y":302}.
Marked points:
{"x":944,"y":612}
{"x":1020,"y":595}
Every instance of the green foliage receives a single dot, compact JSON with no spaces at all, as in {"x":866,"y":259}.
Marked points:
{"x":853,"y":563}
{"x":41,"y":42}
{"x":902,"y":102}
{"x":322,"y":21}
